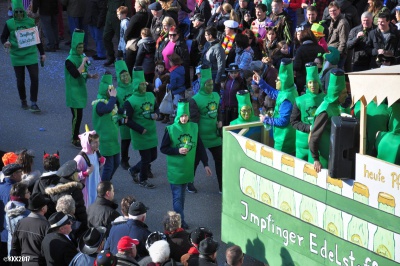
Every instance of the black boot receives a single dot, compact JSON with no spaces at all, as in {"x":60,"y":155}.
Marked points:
{"x":125,"y":164}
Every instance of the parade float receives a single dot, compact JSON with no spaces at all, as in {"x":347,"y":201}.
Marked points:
{"x":282,"y":212}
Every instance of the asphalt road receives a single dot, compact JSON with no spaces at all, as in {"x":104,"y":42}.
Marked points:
{"x":50,"y":131}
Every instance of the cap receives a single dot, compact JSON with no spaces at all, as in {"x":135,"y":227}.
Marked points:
{"x":127,"y":243}
{"x":10,"y":169}
{"x":231,"y":24}
{"x":137,"y":208}
{"x":208,"y":246}
{"x":156,"y":6}
{"x":198,"y":17}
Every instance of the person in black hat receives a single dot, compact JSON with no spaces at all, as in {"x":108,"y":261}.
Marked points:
{"x":196,"y":236}
{"x":90,"y":245}
{"x":69,"y":185}
{"x":134,"y":227}
{"x":30,"y":231}
{"x":198,"y":39}
{"x":57,"y":247}
{"x":208,"y":251}
{"x":156,"y":22}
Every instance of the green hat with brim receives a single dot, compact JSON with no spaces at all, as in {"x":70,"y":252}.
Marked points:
{"x":137,"y":78}
{"x":105,"y":81}
{"x":182,"y":109}
{"x":337,"y":83}
{"x":286,"y":74}
{"x":77,"y":38}
{"x":312,"y":74}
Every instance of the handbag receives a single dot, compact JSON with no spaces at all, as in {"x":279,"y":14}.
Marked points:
{"x":132,"y":44}
{"x":166,"y":106}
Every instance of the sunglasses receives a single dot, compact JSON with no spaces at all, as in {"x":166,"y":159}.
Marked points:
{"x":172,"y":35}
{"x":19,"y":12}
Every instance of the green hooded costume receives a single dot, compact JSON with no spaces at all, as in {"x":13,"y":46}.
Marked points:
{"x":377,"y":120}
{"x":106,"y":125}
{"x":388,"y":143}
{"x":331,"y":106}
{"x":75,"y":88}
{"x":285,"y":137}
{"x":181,"y":167}
{"x":208,"y":108}
{"x":307,"y":105}
{"x":124,"y":91}
{"x":143,"y":107}
{"x":21,"y":56}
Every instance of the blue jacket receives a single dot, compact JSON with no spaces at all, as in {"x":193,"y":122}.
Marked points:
{"x":177,"y":80}
{"x":132,"y":228}
{"x":5,"y":188}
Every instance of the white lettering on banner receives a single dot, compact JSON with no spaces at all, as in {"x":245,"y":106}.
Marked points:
{"x":326,"y":251}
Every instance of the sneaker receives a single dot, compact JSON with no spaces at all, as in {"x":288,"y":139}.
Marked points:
{"x":125,"y":164}
{"x":109,"y":62}
{"x":24,"y":105}
{"x":146,"y":184}
{"x":76,"y":143}
{"x":134,"y":175}
{"x":190,"y":188}
{"x":34,"y":108}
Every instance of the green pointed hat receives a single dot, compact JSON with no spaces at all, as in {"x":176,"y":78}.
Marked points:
{"x":336,"y":84}
{"x":243,"y":98}
{"x":17,"y":4}
{"x":77,"y":37}
{"x":205,"y":72}
{"x":120,"y":66}
{"x":182,"y":109}
{"x":286,"y":74}
{"x":105,"y":81}
{"x":137,"y":78}
{"x":312,"y":74}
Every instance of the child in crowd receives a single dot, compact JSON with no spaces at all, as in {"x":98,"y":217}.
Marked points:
{"x":145,"y":54}
{"x":160,"y":87}
{"x":88,"y":164}
{"x":177,"y":79}
{"x":280,"y":52}
{"x":318,"y":31}
{"x":122,"y":13}
{"x":270,"y":41}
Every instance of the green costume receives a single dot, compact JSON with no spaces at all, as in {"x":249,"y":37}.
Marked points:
{"x":75,"y":88}
{"x":143,"y":107}
{"x":388,"y":143}
{"x":208,"y":108}
{"x":106,"y":125}
{"x":285,"y":137}
{"x":307,"y":105}
{"x":181,"y":167}
{"x":331,"y":106}
{"x":21,"y":56}
{"x":377,"y":120}
{"x":124,"y":91}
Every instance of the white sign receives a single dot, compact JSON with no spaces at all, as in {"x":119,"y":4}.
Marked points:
{"x":27,"y":37}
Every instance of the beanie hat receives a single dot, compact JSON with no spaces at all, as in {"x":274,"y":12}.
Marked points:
{"x":9,"y":157}
{"x":333,"y":56}
{"x":318,"y":30}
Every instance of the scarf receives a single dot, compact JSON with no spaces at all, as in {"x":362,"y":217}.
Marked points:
{"x":173,"y":232}
{"x":163,"y":35}
{"x":19,"y":199}
{"x":228,"y":43}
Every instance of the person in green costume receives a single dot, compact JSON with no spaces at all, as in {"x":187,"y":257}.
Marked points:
{"x":182,"y":144}
{"x":377,"y":120}
{"x":304,"y":110}
{"x":204,"y":110}
{"x":76,"y":74}
{"x":23,"y":57}
{"x":388,"y":143}
{"x":124,"y":91}
{"x":142,"y":111}
{"x":285,"y":93}
{"x":321,"y":128}
{"x":105,"y":122}
{"x":246,"y":115}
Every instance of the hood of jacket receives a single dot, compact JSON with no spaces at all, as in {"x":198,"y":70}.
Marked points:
{"x":84,"y":137}
{"x":14,"y":208}
{"x":63,"y":187}
{"x":149,"y":44}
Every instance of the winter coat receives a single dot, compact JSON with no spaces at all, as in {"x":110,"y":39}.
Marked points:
{"x":45,"y":7}
{"x":29,"y":179}
{"x":73,"y":188}
{"x":213,"y":55}
{"x":75,"y":8}
{"x":177,"y":80}
{"x":376,"y":41}
{"x":206,"y":261}
{"x":48,"y":179}
{"x":217,"y":21}
{"x":83,"y":259}
{"x":96,"y":13}
{"x":179,"y":244}
{"x":5,"y":188}
{"x":347,"y":10}
{"x":145,"y":54}
{"x":139,"y":21}
{"x":102,"y":212}
{"x":58,"y":249}
{"x":338,"y":34}
{"x":359,"y":46}
{"x":124,"y":260}
{"x":132,"y":228}
{"x":27,"y":238}
{"x":15,"y":211}
{"x":203,"y":8}
{"x":244,"y":57}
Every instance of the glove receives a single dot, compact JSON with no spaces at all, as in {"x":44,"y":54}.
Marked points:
{"x":102,"y":160}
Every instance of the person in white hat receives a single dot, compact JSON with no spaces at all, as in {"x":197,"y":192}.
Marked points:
{"x":228,"y":40}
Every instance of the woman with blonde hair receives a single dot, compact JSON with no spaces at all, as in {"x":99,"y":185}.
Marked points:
{"x":376,"y":7}
{"x":223,"y":13}
{"x":167,"y":23}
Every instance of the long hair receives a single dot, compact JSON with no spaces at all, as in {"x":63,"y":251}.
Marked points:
{"x":375,"y":7}
{"x":26,"y":160}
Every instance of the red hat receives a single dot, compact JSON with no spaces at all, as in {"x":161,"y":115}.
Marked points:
{"x":127,"y":243}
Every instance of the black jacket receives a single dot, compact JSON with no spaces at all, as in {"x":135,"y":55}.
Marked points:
{"x":96,"y":11}
{"x":48,"y":179}
{"x":359,"y":46}
{"x":58,"y":249}
{"x":205,"y":9}
{"x":139,"y":21}
{"x":145,"y":55}
{"x":376,"y":41}
{"x":102,"y":212}
{"x":46,"y":7}
{"x":206,"y":261}
{"x":27,"y":238}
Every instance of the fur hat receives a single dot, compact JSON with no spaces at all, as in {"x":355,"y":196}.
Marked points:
{"x":159,"y":251}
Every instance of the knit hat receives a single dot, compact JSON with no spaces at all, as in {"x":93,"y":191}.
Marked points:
{"x":137,"y":208}
{"x":243,"y":98}
{"x":9,"y":157}
{"x":183,"y":108}
{"x":333,"y":56}
{"x":78,"y":37}
{"x":159,"y":251}
{"x":336,"y":85}
{"x":312,"y":74}
{"x":106,"y":80}
{"x":137,"y":78}
{"x":205,"y":75}
{"x":318,"y":30}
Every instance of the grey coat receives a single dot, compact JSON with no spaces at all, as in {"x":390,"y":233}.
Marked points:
{"x":213,"y":55}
